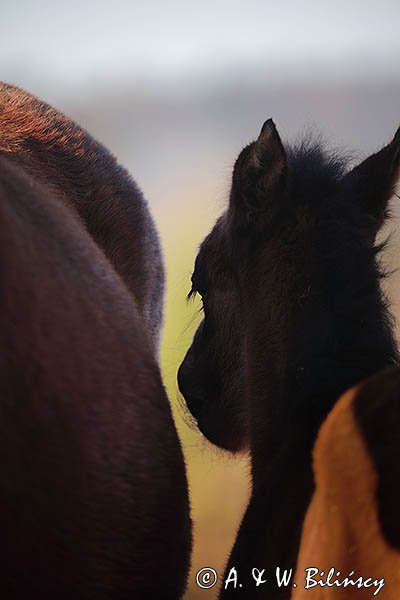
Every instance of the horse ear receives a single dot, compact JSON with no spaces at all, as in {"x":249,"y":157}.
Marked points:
{"x":372,"y":183}
{"x":258,"y":177}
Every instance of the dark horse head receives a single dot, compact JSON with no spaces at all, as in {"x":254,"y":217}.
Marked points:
{"x":289,"y":279}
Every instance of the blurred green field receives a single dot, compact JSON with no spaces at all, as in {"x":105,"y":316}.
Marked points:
{"x":218,"y":482}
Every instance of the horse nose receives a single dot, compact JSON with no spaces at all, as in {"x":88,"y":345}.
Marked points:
{"x":188,"y":384}
{"x":184,"y":373}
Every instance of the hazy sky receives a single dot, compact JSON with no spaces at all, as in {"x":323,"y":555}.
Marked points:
{"x":163,"y":40}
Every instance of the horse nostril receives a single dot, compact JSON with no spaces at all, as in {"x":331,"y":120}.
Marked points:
{"x":181,"y":378}
{"x":188,"y":386}
{"x":184,"y":376}
{"x":184,"y":370}
{"x":188,"y":361}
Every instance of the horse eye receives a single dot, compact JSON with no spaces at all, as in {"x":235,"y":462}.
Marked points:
{"x":198,"y":287}
{"x":194,"y":291}
{"x":202,"y":292}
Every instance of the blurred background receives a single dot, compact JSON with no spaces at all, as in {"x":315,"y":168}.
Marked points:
{"x":175,"y":89}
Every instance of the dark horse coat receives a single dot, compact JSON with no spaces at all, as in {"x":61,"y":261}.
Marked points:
{"x":93,"y":489}
{"x":293,"y":317}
